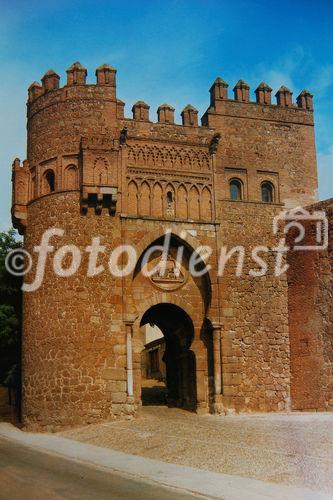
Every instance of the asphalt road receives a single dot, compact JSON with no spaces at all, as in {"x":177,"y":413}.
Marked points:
{"x":27,"y":474}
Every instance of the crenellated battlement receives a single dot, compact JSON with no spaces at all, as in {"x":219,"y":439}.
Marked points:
{"x":76,"y":76}
{"x":219,"y":92}
{"x":21,"y":193}
{"x":80,"y":140}
{"x":77,"y":87}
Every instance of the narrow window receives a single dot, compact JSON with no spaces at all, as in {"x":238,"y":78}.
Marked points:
{"x":169,"y":197}
{"x":235,"y":189}
{"x":49,"y":182}
{"x":267,"y":192}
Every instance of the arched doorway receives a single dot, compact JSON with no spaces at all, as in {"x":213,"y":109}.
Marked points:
{"x":153,"y":369}
{"x":180,"y":365}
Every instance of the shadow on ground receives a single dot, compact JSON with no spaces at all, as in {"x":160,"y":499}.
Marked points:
{"x":154,"y":396}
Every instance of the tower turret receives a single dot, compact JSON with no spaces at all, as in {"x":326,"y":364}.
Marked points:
{"x":106,"y":75}
{"x":218,"y":91}
{"x":140,"y":111}
{"x":284,"y":97}
{"x":50,"y":80}
{"x":242,"y":91}
{"x":34,"y":91}
{"x":165,"y":113}
{"x":76,"y":74}
{"x":304,"y":100}
{"x":263,"y":93}
{"x":190,"y":116}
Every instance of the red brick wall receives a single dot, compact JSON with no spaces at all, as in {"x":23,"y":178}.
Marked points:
{"x":310,"y":295}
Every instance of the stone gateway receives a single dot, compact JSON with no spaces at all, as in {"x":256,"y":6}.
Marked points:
{"x":247,"y":341}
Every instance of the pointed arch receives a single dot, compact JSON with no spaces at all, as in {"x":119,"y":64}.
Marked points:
{"x":204,"y":162}
{"x":145,"y":198}
{"x":101,"y":171}
{"x":132,"y":199}
{"x":182,"y":202}
{"x":157,"y":200}
{"x":175,"y":242}
{"x":194,"y":212}
{"x":206,"y":204}
{"x":169,"y":200}
{"x":236,"y":189}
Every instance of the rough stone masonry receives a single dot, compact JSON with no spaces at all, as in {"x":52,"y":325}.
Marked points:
{"x":233,"y":343}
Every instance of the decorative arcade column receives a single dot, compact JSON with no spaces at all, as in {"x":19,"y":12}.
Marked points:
{"x":201,"y":367}
{"x":129,"y":362}
{"x":218,"y":397}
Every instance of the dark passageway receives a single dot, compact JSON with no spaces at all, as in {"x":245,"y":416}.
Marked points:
{"x":179,"y":359}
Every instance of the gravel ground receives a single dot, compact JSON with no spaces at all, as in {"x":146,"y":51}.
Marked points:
{"x":294,"y":449}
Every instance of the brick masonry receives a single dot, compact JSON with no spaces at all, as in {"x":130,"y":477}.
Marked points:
{"x":310,"y":293}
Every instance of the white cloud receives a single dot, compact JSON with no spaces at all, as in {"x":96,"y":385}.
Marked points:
{"x":282,"y":71}
{"x":322,"y":79}
{"x":277,"y":78}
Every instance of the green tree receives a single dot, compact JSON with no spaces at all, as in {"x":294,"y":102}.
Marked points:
{"x":10,"y":308}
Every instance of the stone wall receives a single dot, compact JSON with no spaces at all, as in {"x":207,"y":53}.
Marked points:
{"x":266,"y":143}
{"x":255,"y":339}
{"x":73,"y":340}
{"x":94,"y":173}
{"x":74,"y":327}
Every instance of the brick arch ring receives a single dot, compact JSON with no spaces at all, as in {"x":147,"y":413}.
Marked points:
{"x":168,"y":297}
{"x":189,"y":241}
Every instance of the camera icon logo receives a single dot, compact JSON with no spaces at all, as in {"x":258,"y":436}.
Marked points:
{"x":300,"y":219}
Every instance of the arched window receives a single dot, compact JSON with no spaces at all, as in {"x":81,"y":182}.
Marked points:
{"x":71,"y":177}
{"x":49,"y":182}
{"x":267,"y":192}
{"x":169,"y":197}
{"x":235,"y":187}
{"x":170,"y":201}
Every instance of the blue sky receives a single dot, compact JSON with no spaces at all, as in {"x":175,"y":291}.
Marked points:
{"x":166,"y":51}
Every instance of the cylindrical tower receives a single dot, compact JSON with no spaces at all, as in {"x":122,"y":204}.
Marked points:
{"x":74,"y":353}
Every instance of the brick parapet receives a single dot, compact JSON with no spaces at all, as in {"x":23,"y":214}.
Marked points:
{"x":255,"y":111}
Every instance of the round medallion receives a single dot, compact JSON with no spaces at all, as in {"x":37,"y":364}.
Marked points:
{"x":166,"y":273}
